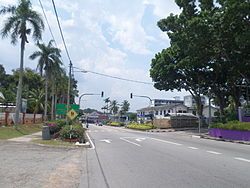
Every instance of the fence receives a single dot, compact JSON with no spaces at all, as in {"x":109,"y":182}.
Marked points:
{"x":176,"y":122}
{"x":7,"y":118}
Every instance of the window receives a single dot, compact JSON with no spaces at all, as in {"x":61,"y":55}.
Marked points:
{"x":164,"y":112}
{"x":156,"y":112}
{"x":161,"y":112}
{"x":168,"y":111}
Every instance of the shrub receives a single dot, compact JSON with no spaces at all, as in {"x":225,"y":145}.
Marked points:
{"x":116,"y":124}
{"x":232,"y":125}
{"x":77,"y":132}
{"x":140,"y":126}
{"x":60,"y":123}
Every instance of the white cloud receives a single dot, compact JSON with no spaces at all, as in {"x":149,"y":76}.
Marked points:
{"x":122,"y":50}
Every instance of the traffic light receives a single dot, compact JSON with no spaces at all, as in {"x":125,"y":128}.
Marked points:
{"x":102,"y":94}
{"x":131,"y":95}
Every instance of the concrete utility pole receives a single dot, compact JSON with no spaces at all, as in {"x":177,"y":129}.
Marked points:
{"x":69,"y":89}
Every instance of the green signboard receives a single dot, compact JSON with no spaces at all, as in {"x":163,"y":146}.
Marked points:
{"x":61,"y":109}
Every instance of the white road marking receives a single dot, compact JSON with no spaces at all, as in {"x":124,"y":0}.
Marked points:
{"x":195,"y":136}
{"x":124,"y":139}
{"x":140,"y":139}
{"x":106,"y":140}
{"x":242,"y":159}
{"x":91,"y":143}
{"x":165,"y":141}
{"x":192,"y":148}
{"x":214,"y":152}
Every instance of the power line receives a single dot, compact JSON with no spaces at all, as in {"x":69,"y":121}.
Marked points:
{"x":47,"y":23}
{"x":61,"y":31}
{"x":115,"y":77}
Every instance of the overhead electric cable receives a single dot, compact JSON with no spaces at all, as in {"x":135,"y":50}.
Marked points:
{"x":61,"y":31}
{"x":48,"y":23}
{"x":115,"y":77}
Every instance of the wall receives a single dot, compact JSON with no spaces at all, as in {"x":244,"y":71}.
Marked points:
{"x":7,"y":118}
{"x":176,"y":122}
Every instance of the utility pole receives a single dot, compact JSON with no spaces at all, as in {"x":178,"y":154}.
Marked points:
{"x":69,"y":89}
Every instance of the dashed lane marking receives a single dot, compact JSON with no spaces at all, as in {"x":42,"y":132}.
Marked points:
{"x":193,"y":148}
{"x":242,"y":159}
{"x":214,"y":152}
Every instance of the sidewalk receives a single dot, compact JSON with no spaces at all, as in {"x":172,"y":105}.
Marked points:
{"x":27,"y":138}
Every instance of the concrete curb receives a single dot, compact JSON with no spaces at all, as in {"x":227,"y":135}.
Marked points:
{"x":224,"y":140}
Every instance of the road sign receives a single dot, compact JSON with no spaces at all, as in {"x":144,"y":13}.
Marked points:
{"x":61,"y":109}
{"x":72,"y":114}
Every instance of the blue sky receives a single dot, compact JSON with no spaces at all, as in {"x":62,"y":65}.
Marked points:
{"x":117,"y":38}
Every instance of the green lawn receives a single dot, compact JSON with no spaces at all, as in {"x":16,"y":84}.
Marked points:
{"x":21,"y":130}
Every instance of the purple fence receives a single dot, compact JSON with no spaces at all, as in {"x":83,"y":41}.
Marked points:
{"x":230,"y":134}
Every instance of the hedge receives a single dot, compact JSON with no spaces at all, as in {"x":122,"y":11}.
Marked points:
{"x":140,"y":126}
{"x":232,"y":125}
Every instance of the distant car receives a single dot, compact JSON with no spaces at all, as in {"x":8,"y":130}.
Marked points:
{"x":100,"y":124}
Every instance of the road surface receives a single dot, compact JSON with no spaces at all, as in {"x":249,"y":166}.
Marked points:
{"x":123,"y":158}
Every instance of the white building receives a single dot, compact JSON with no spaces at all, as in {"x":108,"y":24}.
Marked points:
{"x":190,"y":102}
{"x":161,"y":111}
{"x":160,"y":102}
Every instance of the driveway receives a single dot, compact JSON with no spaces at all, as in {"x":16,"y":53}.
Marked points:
{"x":28,"y":165}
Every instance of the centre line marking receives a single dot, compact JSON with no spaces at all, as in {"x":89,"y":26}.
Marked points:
{"x":168,"y":142}
{"x":192,"y":148}
{"x":130,"y":142}
{"x":242,"y":159}
{"x":214,"y":152}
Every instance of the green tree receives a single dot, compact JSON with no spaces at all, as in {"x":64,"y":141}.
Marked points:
{"x":36,"y":99}
{"x":49,"y":62}
{"x":107,"y":102}
{"x":125,"y":107}
{"x":114,"y":108}
{"x":22,"y":22}
{"x":181,"y":66}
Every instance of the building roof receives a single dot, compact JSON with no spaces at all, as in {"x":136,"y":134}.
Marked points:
{"x":162,"y":107}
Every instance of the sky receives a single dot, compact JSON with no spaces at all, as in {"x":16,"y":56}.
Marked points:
{"x":117,"y":38}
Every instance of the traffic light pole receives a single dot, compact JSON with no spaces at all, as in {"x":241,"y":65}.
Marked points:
{"x":84,"y":94}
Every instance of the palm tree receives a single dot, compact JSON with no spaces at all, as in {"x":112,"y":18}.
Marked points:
{"x":114,"y":108}
{"x":22,"y":22}
{"x":106,"y":107}
{"x":49,"y":62}
{"x":36,"y":98}
{"x":56,"y":79}
{"x":125,"y":107}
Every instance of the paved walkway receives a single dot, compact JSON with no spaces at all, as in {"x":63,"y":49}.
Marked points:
{"x":28,"y":138}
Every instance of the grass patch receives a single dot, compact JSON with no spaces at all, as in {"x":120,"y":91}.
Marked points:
{"x":142,"y":127}
{"x":232,"y":125}
{"x":54,"y":142}
{"x":20,"y":130}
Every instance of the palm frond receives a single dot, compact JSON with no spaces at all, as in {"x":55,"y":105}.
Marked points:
{"x":8,"y":9}
{"x":35,"y":55}
{"x":8,"y":25}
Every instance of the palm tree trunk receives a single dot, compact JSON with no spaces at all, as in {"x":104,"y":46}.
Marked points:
{"x":20,"y":85}
{"x":46,"y":96}
{"x":53,"y":101}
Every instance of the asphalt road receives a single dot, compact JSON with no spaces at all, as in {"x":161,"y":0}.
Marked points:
{"x":133,"y":159}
